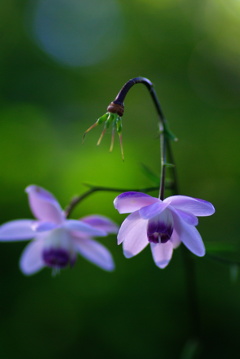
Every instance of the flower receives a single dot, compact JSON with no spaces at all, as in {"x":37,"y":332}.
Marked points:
{"x":163,"y":224}
{"x":57,"y":240}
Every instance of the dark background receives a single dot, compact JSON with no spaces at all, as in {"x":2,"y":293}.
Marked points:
{"x":61,"y":63}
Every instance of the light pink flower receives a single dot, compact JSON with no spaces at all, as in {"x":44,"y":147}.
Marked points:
{"x":163,"y":224}
{"x":57,"y":240}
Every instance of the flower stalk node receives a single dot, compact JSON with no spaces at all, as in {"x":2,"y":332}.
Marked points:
{"x":166,"y":132}
{"x":115,"y":107}
{"x":169,"y":165}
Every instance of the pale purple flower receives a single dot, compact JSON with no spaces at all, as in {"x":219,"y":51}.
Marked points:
{"x":163,"y":224}
{"x":57,"y":240}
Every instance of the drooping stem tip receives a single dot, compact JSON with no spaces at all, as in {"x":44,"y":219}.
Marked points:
{"x":117,"y":106}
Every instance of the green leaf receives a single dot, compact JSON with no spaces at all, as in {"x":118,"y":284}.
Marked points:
{"x":168,"y":133}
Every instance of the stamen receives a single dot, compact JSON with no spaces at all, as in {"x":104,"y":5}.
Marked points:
{"x":121,"y":146}
{"x":56,"y":257}
{"x":89,"y":129}
{"x":55,"y":271}
{"x":160,"y":228}
{"x":164,"y":237}
{"x":112,"y":139}
{"x":101,"y":136}
{"x":154,"y":238}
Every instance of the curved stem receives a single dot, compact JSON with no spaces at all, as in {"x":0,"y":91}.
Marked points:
{"x":164,"y":132}
{"x":74,"y":202}
{"x":141,"y":80}
{"x":163,"y":146}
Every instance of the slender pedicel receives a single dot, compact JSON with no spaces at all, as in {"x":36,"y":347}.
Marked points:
{"x":113,"y":117}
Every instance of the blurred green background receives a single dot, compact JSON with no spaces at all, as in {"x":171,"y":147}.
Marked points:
{"x":61,"y":63}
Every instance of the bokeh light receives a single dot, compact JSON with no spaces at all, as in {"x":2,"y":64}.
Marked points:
{"x":77,"y":33}
{"x":215,"y":76}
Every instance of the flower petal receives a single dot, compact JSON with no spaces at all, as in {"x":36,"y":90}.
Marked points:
{"x":153,"y":209}
{"x":128,"y":202}
{"x":101,"y":222}
{"x":31,"y":260}
{"x":17,"y":230}
{"x":175,"y":239}
{"x":95,"y":253}
{"x":190,"y":236}
{"x":162,"y":253}
{"x":44,"y":205}
{"x":130,"y":223}
{"x":187,"y":217}
{"x":83,"y":228}
{"x":133,"y":234}
{"x":198,"y":207}
{"x":43,"y":226}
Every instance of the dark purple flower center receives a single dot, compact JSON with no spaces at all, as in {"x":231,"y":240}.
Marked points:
{"x":159,"y":231}
{"x":57,"y":258}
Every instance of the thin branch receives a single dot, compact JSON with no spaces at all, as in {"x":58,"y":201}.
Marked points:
{"x":76,"y":200}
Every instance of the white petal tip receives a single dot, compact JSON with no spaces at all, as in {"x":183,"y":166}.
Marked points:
{"x":120,"y":240}
{"x":115,"y":203}
{"x":29,"y":271}
{"x":162,"y":264}
{"x":201,"y":254}
{"x":114,"y":230}
{"x":26,"y":273}
{"x":30,"y":188}
{"x":110,"y":268}
{"x":128,"y":254}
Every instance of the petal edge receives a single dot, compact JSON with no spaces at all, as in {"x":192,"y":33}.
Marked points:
{"x":129,"y":202}
{"x":44,"y":205}
{"x":18,"y":230}
{"x":195,"y":206}
{"x":96,"y":253}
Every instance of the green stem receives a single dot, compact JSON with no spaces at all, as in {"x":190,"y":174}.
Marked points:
{"x":163,"y":145}
{"x":163,"y":127}
{"x":173,"y":169}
